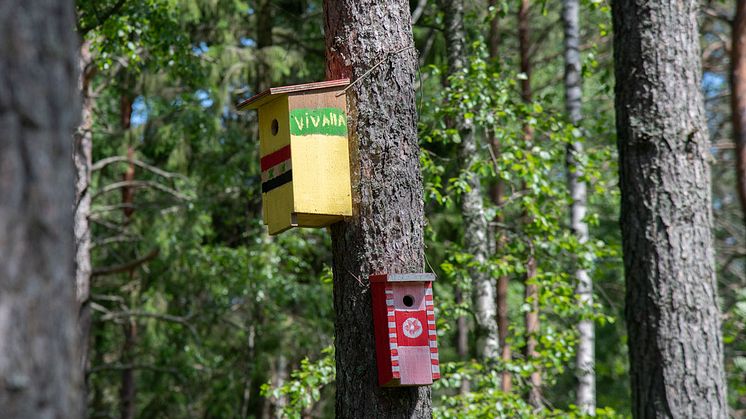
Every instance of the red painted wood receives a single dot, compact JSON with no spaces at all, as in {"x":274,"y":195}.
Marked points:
{"x":406,"y":318}
{"x":404,"y":360}
{"x":381,"y":329}
{"x":275,"y":157}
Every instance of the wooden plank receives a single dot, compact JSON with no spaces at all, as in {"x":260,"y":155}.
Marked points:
{"x":414,"y":277}
{"x":258,"y":100}
{"x":321,"y":175}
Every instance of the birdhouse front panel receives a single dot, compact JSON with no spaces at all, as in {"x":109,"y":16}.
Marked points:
{"x":305,"y":159}
{"x":404,"y":324}
{"x":318,"y":130}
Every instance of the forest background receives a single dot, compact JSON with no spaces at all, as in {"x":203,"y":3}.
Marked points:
{"x":196,"y":312}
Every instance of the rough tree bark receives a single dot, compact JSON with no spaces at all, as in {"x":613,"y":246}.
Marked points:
{"x":39,"y":111}
{"x":738,"y":98}
{"x":497,"y":195}
{"x":585,"y":355}
{"x":385,"y":233}
{"x":531,"y":293}
{"x":476,"y":233}
{"x":673,"y":321}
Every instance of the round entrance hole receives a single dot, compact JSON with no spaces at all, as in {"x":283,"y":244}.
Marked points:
{"x":275,"y":127}
{"x":408,"y":300}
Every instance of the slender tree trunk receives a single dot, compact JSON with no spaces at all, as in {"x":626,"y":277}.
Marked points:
{"x":497,"y":195}
{"x":462,"y":342}
{"x":531,"y":292}
{"x":738,"y":98}
{"x":128,"y":390}
{"x":82,"y":152}
{"x":279,"y":376}
{"x":673,"y":320}
{"x":40,"y":375}
{"x":476,"y":232}
{"x":585,"y":355}
{"x":263,"y":42}
{"x":385,"y":233}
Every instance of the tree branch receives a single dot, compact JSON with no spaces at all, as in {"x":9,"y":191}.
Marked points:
{"x":140,"y":184}
{"x":101,"y":19}
{"x":122,"y":159}
{"x":125,"y":267}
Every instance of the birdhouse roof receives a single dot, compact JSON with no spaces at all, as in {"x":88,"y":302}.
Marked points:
{"x":270,"y":94}
{"x":417,"y":277}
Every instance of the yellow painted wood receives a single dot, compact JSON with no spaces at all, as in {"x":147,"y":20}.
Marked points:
{"x":321,"y":177}
{"x":316,"y":220}
{"x":278,"y":204}
{"x":277,"y":109}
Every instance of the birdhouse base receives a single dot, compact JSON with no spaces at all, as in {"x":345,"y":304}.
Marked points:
{"x":305,"y":220}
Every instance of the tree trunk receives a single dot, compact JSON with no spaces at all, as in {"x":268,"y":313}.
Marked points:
{"x":531,"y":292}
{"x":385,"y":233}
{"x":496,"y":194}
{"x":673,"y":321}
{"x":585,"y":355}
{"x":476,"y":232}
{"x":462,"y":341}
{"x":128,"y":390}
{"x":82,"y":152}
{"x":264,"y":26}
{"x":738,"y":98}
{"x":39,"y":111}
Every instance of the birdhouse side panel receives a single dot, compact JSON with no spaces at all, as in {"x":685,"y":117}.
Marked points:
{"x":271,"y":139}
{"x":387,"y":356}
{"x":276,"y":165}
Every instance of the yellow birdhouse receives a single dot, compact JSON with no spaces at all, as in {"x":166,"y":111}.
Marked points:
{"x":305,"y":159}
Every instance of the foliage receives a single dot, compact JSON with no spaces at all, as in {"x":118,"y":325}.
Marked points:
{"x":228,"y":322}
{"x":303,"y":389}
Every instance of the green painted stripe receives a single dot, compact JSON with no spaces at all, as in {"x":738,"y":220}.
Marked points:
{"x":324,"y":121}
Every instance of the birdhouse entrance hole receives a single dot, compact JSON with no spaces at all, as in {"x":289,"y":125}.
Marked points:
{"x":275,"y":127}
{"x":408,"y":300}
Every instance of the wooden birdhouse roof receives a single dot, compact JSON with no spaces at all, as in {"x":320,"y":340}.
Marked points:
{"x":416,"y":277}
{"x":268,"y":95}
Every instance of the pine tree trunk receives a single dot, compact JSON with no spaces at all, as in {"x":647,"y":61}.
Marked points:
{"x":585,"y":355}
{"x":476,"y":232}
{"x":673,"y":320}
{"x":385,"y":234}
{"x":39,"y":110}
{"x":531,"y":292}
{"x":738,"y":98}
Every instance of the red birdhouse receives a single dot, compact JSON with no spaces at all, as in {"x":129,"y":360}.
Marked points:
{"x":404,"y":322}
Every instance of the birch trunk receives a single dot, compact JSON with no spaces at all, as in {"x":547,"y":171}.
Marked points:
{"x":39,"y":111}
{"x":385,"y":233}
{"x":472,"y":207}
{"x":585,"y":355}
{"x":82,"y":152}
{"x":673,"y":320}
